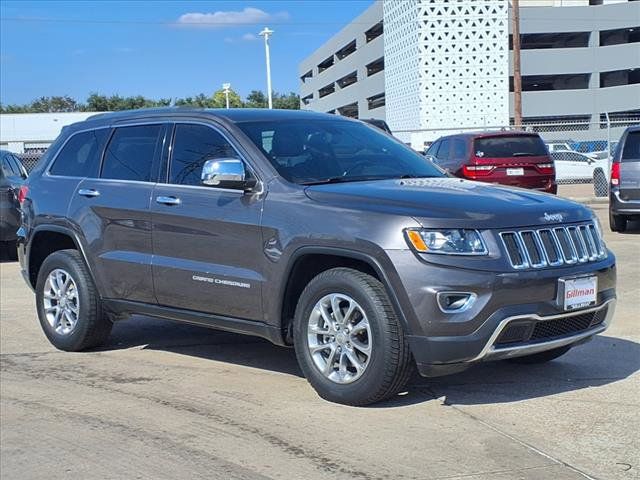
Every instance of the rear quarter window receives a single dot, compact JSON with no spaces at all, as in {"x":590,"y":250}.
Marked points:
{"x":631,"y":150}
{"x":505,"y":146}
{"x":80,"y":156}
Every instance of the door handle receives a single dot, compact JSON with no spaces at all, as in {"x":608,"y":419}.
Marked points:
{"x":88,"y":192}
{"x":168,"y":200}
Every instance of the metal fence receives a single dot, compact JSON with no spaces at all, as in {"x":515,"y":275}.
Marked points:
{"x":30,"y":158}
{"x":581,"y":150}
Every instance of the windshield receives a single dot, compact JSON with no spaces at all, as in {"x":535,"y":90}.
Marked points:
{"x":318,"y":151}
{"x":506,"y":146}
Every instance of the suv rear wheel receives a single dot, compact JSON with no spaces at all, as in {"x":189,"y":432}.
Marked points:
{"x":348,"y":339}
{"x":68,"y":304}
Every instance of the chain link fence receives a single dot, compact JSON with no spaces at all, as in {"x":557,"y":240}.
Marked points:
{"x":581,"y":150}
{"x":30,"y":158}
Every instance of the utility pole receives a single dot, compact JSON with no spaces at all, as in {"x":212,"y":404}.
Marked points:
{"x":266,"y":33}
{"x":225,"y":88}
{"x":517,"y":76}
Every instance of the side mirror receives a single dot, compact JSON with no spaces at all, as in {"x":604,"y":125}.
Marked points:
{"x":225,"y":173}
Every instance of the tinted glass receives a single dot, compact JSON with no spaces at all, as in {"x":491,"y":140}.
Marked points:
{"x":443,"y":150}
{"x":17,"y":166}
{"x":433,"y":149}
{"x":632,"y":147}
{"x":80,"y":156}
{"x":194,"y":145}
{"x":318,"y":150}
{"x":22,"y":171}
{"x":505,"y":147}
{"x":130,"y":153}
{"x":5,"y":166}
{"x":459,"y":149}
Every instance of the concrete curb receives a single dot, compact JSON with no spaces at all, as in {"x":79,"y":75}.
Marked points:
{"x":591,"y":200}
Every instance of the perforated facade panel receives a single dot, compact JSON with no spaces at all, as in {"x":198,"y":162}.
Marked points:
{"x":447,"y":64}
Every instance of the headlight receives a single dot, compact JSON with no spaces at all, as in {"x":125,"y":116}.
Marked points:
{"x":446,"y":241}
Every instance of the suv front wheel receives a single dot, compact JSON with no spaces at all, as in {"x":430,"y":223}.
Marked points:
{"x":348,"y":340}
{"x":68,"y":304}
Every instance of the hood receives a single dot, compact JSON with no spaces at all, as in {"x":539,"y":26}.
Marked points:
{"x":452,"y":202}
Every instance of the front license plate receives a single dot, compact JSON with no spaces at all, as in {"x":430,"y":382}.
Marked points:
{"x":579,"y":292}
{"x":514,"y":172}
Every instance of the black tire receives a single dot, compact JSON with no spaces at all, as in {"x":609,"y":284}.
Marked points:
{"x":600,"y":183}
{"x":617,"y":223}
{"x":390,"y":364}
{"x":541,"y":357}
{"x":93,"y":326}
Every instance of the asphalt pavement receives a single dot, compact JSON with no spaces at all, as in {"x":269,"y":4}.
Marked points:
{"x":165,"y":401}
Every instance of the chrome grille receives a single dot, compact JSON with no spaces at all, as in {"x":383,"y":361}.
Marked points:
{"x":552,"y":247}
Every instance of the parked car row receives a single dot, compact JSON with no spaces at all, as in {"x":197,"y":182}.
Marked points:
{"x":12,"y":176}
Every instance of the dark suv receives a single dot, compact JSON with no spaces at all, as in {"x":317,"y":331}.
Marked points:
{"x":624,"y":195}
{"x":515,"y":158}
{"x":309,"y":230}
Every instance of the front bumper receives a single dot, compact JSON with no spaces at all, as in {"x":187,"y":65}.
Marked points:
{"x":443,"y":343}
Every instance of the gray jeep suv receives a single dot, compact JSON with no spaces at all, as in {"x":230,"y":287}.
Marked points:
{"x":309,"y":230}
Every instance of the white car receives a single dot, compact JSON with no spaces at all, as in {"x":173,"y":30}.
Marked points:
{"x":559,"y":147}
{"x":575,"y":167}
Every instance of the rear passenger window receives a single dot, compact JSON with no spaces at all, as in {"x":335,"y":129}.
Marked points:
{"x":130,"y":153}
{"x":632,"y":147}
{"x":459,"y":149}
{"x":80,"y":156}
{"x":194,"y":145}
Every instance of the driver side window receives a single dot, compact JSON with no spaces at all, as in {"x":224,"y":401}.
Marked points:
{"x":193,"y":145}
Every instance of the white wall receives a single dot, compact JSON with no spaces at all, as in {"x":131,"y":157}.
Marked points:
{"x":19,"y":131}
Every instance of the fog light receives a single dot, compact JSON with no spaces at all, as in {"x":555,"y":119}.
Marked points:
{"x":455,"y":302}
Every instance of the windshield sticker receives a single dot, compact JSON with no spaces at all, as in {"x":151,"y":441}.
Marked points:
{"x":480,"y":153}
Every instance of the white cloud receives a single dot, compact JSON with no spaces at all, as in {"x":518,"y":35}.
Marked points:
{"x":247,"y":37}
{"x":221,"y":19}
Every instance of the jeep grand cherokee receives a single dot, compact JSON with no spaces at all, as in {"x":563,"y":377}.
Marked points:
{"x":309,"y":230}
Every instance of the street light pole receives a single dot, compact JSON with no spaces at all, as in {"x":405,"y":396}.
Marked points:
{"x":225,"y":88}
{"x":517,"y":73}
{"x":266,"y":33}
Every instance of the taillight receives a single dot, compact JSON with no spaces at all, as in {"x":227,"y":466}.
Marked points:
{"x":477,"y":170}
{"x":615,"y":174}
{"x":22,"y":194}
{"x":546,"y":168}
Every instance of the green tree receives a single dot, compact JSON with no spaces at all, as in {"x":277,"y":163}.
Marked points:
{"x":219,"y":99}
{"x":290,"y":101}
{"x":256,"y":99}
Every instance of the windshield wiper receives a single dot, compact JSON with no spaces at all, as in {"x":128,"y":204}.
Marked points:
{"x":342,"y":179}
{"x":524,"y":154}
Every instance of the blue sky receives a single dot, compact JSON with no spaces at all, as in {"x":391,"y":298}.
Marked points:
{"x":156,"y":49}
